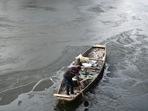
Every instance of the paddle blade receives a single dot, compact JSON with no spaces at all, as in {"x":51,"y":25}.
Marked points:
{"x":86,"y":103}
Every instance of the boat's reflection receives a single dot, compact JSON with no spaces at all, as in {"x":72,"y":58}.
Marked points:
{"x":68,"y":106}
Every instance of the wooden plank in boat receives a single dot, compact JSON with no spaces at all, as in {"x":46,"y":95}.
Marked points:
{"x":99,"y":46}
{"x":95,"y":59}
{"x":62,"y":95}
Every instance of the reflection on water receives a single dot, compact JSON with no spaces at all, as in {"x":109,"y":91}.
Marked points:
{"x":72,"y":106}
{"x":10,"y":95}
{"x":11,"y":5}
{"x":38,"y":37}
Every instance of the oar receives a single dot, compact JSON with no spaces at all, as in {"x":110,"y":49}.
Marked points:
{"x":86,"y":103}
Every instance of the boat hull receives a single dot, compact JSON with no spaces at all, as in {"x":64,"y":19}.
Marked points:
{"x":95,"y":71}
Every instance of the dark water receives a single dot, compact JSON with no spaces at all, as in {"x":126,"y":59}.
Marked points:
{"x":39,"y":38}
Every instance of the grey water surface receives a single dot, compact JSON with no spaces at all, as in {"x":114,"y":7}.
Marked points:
{"x":40,"y":38}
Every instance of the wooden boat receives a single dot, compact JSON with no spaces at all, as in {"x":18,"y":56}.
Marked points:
{"x":93,"y":61}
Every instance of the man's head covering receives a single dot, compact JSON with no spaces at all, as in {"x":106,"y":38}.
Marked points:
{"x":74,"y":68}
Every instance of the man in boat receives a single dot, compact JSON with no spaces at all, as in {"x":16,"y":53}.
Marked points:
{"x":71,"y":72}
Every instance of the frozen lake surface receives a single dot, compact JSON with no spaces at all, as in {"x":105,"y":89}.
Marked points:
{"x":39,"y":38}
